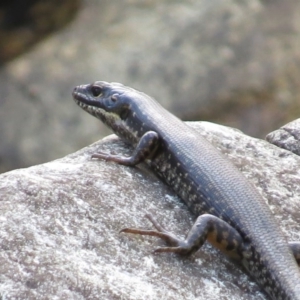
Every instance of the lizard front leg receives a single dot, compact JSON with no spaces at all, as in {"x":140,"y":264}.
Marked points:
{"x":145,"y":148}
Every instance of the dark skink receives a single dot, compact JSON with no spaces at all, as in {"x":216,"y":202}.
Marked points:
{"x":232,"y":214}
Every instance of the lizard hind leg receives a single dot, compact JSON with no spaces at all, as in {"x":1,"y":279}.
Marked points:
{"x":207,"y":227}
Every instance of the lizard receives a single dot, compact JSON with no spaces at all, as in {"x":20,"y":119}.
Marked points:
{"x":231,"y":213}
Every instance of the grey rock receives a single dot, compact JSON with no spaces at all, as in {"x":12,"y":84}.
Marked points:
{"x":60,"y":222}
{"x":287,"y":137}
{"x":200,"y":59}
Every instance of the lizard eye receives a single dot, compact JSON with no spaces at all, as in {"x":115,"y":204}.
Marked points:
{"x":96,"y":90}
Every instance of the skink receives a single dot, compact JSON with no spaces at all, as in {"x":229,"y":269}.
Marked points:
{"x":232,"y":215}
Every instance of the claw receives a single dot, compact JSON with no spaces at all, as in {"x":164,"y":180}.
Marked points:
{"x":155,"y":223}
{"x":168,"y":237}
{"x":100,"y":155}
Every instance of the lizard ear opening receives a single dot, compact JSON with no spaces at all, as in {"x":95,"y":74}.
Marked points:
{"x":114,"y":98}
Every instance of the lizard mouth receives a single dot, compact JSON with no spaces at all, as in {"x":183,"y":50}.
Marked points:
{"x":82,"y":97}
{"x":86,"y":102}
{"x":94,"y":106}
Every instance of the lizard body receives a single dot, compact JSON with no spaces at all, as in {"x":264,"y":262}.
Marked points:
{"x":232,"y":214}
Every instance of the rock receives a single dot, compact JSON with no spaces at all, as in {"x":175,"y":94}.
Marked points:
{"x":233,"y":62}
{"x":60,"y":222}
{"x":24,"y":23}
{"x":287,"y":137}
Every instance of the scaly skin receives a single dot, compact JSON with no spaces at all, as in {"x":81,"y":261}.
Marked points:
{"x":204,"y":179}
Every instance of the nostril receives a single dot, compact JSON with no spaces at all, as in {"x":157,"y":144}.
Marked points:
{"x":75,"y":90}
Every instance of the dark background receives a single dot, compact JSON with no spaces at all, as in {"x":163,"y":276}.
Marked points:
{"x":230,"y":62}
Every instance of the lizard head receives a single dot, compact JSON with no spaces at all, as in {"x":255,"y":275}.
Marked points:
{"x":101,"y":99}
{"x":115,"y":105}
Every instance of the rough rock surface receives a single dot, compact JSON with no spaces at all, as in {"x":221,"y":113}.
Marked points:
{"x":287,"y":137}
{"x":201,"y":59}
{"x":60,"y":222}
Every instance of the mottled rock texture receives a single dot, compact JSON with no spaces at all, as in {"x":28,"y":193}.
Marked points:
{"x":60,"y":222}
{"x":287,"y":137}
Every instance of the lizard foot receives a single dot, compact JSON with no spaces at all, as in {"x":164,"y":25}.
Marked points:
{"x":176,"y":245}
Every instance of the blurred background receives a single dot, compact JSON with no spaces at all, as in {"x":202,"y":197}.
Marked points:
{"x":236,"y":63}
